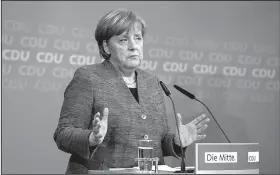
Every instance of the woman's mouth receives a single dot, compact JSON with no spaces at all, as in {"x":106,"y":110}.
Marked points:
{"x":133,"y":57}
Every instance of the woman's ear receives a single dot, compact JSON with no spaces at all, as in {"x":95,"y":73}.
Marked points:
{"x":105,"y":46}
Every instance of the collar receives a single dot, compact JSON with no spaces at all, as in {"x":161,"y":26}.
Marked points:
{"x":115,"y":73}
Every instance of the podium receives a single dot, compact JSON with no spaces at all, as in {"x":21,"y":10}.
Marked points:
{"x":227,"y":158}
{"x":162,"y":169}
{"x":210,"y":158}
{"x":124,"y":171}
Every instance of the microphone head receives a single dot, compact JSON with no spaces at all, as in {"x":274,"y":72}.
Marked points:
{"x":183,"y":91}
{"x":166,"y":91}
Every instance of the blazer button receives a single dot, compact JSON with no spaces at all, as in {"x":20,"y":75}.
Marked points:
{"x":143,"y":116}
{"x":146,"y":137}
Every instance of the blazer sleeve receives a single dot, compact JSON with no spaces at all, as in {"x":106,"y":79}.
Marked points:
{"x":72,"y":133}
{"x":169,"y":148}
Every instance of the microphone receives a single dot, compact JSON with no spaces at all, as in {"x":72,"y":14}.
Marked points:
{"x":191,"y":96}
{"x":183,"y":166}
{"x":166,"y":91}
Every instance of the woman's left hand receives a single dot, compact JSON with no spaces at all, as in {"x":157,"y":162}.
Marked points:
{"x":191,"y":132}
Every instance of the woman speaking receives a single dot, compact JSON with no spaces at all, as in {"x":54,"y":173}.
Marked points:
{"x":109,"y":107}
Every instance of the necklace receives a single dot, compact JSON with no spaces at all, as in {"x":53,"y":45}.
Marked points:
{"x":130,"y":83}
{"x":127,"y":82}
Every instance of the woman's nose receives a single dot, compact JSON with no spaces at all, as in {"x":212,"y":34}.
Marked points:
{"x":131,"y":45}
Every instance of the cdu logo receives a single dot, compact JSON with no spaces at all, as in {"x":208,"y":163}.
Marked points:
{"x":253,"y":156}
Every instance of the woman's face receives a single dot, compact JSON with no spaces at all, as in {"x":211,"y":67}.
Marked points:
{"x":126,"y":49}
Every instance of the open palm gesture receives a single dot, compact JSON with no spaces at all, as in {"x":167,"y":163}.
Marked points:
{"x":191,"y":132}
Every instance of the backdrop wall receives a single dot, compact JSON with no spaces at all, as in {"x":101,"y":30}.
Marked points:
{"x":226,"y":53}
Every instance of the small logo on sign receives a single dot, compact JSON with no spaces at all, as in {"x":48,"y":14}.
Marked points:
{"x":253,"y":156}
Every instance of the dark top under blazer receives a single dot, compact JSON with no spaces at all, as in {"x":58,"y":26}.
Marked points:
{"x":95,"y":87}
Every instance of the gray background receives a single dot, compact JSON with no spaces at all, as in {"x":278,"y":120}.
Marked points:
{"x":31,"y":103}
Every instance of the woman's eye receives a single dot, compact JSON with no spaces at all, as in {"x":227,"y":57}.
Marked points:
{"x":122,"y":40}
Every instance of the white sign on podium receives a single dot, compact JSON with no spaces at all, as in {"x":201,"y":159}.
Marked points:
{"x":227,"y":158}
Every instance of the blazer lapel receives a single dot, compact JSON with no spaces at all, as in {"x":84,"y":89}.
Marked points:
{"x":142,"y":89}
{"x":116,"y":78}
{"x":113,"y":74}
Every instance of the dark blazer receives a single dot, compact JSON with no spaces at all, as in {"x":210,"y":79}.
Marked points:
{"x":95,"y":87}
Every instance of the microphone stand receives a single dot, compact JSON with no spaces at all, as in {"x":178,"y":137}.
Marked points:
{"x":183,"y":151}
{"x":213,"y":118}
{"x":191,"y":96}
{"x":183,"y":167}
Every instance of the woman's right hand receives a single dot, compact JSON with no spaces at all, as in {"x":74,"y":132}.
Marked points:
{"x":99,"y":130}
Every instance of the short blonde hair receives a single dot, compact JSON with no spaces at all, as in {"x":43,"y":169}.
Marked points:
{"x":115,"y":23}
